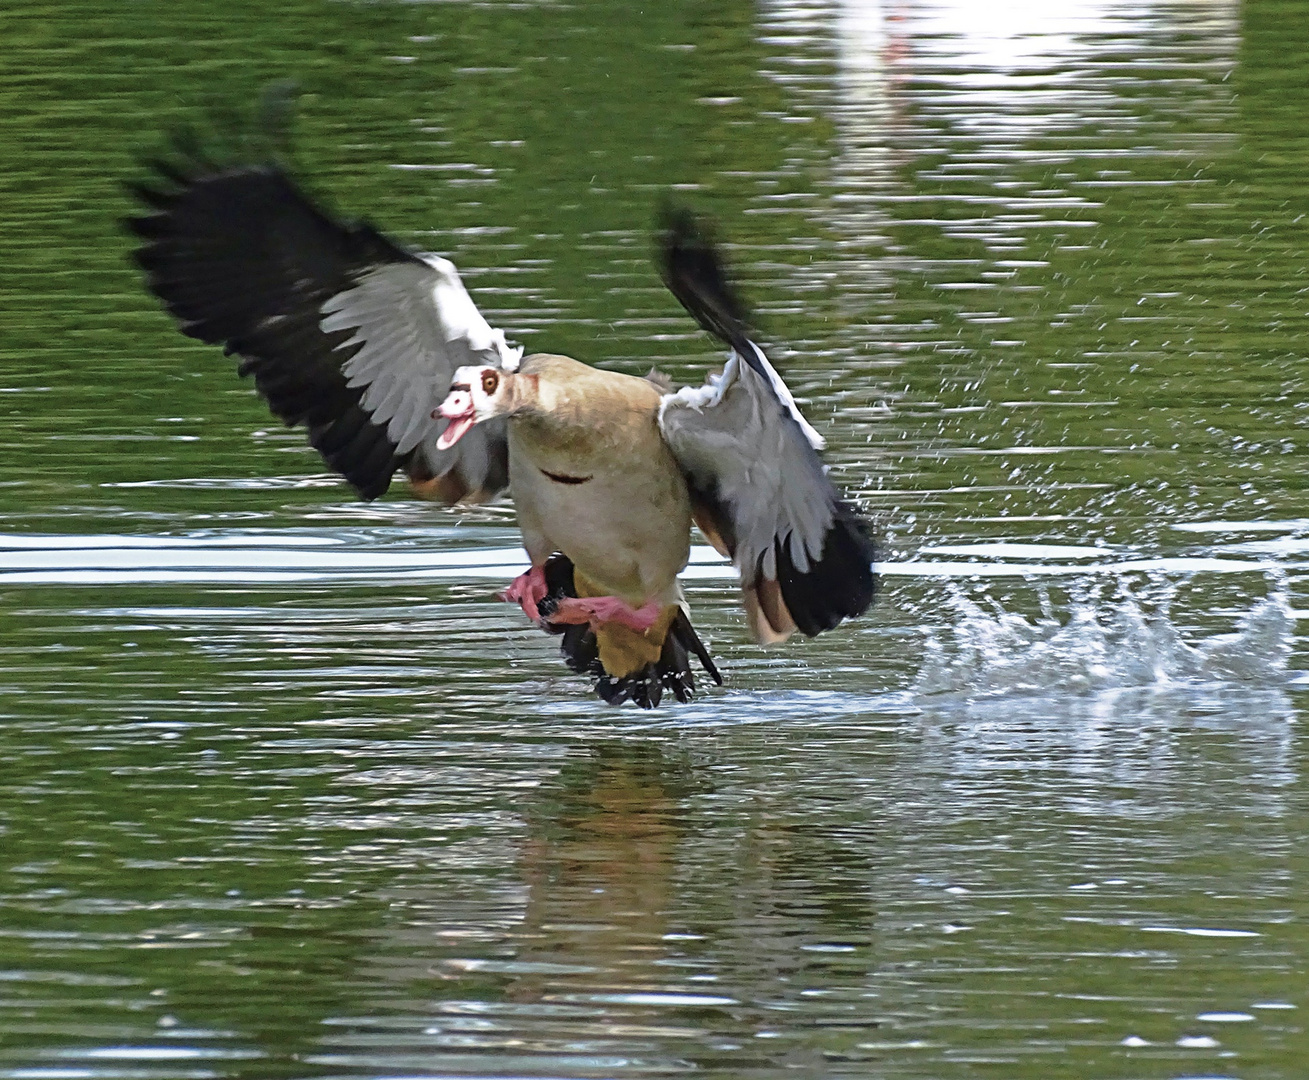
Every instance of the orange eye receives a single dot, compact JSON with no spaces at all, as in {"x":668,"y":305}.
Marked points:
{"x":490,"y":380}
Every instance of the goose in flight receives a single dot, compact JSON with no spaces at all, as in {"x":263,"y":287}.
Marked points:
{"x":382,"y":356}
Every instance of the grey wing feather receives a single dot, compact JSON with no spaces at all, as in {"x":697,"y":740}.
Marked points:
{"x":749,"y":454}
{"x":414,"y":323}
{"x":343,"y":330}
{"x":742,"y":444}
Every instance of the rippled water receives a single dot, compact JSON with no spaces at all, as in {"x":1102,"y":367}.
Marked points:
{"x":287,"y":792}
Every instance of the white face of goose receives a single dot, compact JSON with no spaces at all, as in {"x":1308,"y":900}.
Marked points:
{"x":476,"y":394}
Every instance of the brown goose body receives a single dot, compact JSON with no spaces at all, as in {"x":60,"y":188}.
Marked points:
{"x":592,"y":477}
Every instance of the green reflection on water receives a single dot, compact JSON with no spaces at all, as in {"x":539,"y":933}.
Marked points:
{"x":328,"y":830}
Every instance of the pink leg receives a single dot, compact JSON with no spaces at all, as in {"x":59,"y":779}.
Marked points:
{"x":603,"y":609}
{"x":528,"y":590}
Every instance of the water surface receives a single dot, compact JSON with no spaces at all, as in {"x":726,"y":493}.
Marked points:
{"x":288,"y":793}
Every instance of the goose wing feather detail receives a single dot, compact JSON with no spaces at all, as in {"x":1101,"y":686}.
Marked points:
{"x":343,"y":330}
{"x":744,"y":450}
{"x":751,"y":459}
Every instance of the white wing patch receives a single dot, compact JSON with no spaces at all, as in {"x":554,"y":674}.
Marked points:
{"x":461,"y":320}
{"x":783,"y":393}
{"x":741,"y":438}
{"x":415,"y":323}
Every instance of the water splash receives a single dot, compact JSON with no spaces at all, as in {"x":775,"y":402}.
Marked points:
{"x":1107,"y":637}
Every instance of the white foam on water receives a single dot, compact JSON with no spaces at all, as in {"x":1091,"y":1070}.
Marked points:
{"x":1106,"y":637}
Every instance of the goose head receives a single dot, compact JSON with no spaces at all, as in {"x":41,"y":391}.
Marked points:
{"x":476,"y":394}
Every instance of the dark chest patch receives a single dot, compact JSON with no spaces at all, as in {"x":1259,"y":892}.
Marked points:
{"x":562,"y":478}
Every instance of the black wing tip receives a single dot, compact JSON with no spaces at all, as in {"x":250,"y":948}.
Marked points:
{"x":841,"y":585}
{"x":645,"y":688}
{"x":691,"y":266}
{"x":221,"y":141}
{"x":217,"y":194}
{"x":349,"y":443}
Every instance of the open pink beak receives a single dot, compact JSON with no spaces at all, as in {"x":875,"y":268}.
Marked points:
{"x":458,"y":409}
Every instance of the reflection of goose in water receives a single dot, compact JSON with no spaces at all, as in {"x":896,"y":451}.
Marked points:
{"x":383,"y":356}
{"x":600,"y":864}
{"x":617,"y":855}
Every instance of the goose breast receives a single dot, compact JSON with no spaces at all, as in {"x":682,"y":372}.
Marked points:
{"x":592,"y":477}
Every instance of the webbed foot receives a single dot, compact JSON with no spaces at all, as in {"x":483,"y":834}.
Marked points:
{"x":596,"y":610}
{"x":527,"y":590}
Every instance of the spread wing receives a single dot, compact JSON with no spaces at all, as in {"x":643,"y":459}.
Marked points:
{"x":344,"y":331}
{"x":761,"y":494}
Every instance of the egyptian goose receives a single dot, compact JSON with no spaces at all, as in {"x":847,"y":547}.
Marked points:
{"x":382,"y":355}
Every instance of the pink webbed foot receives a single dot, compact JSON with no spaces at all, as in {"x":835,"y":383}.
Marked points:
{"x":605,"y":609}
{"x":527,"y":590}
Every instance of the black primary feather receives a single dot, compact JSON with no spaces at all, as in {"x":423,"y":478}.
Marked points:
{"x":841,"y":584}
{"x":692,"y":269}
{"x":242,"y":258}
